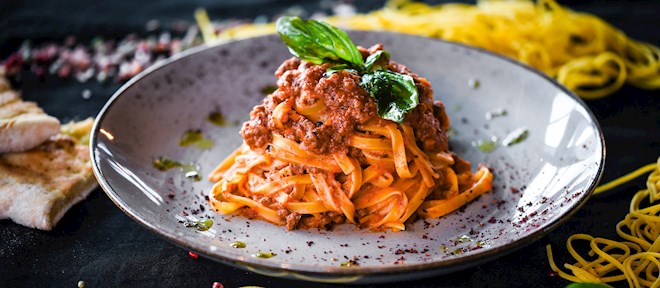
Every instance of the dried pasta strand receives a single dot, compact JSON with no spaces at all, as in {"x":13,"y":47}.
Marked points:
{"x":637,"y":261}
{"x":582,"y":51}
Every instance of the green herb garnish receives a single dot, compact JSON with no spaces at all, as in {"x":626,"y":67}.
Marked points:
{"x":191,"y":171}
{"x":268,"y":89}
{"x":217,"y":118}
{"x":202,"y":225}
{"x":164,"y":164}
{"x":395,"y":93}
{"x":516,"y":136}
{"x":319,"y":42}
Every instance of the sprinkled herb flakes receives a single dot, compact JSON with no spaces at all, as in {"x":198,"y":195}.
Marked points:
{"x":516,"y":136}
{"x":201,"y":225}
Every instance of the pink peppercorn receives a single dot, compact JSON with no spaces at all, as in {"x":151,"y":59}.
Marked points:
{"x":193,"y":255}
{"x":218,"y":285}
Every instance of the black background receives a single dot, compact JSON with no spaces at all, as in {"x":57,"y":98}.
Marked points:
{"x":97,"y":243}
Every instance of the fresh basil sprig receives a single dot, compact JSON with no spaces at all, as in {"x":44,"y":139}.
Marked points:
{"x":319,"y":42}
{"x":370,"y":63}
{"x":395,"y":93}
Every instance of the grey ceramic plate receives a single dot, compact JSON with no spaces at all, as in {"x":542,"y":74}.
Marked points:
{"x":539,"y":182}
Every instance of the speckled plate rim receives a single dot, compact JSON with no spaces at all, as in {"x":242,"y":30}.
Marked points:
{"x":355,"y":274}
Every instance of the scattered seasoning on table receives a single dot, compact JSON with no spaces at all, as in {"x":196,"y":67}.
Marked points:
{"x":100,"y":59}
{"x":86,"y":94}
{"x":193,"y":255}
{"x":81,"y":284}
{"x":217,"y":285}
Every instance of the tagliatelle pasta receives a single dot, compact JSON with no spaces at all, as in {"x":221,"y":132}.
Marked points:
{"x":582,"y":51}
{"x":635,"y":260}
{"x":348,"y":136}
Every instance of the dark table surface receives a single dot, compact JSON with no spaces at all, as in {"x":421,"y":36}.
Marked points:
{"x":97,"y":243}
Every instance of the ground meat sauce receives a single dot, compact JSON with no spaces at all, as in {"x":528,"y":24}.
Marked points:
{"x":302,"y":88}
{"x":347,"y":105}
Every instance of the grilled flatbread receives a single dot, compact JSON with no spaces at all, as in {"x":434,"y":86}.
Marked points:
{"x":23,"y":125}
{"x":38,"y":186}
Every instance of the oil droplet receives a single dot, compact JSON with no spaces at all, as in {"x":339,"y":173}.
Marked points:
{"x":217,"y":118}
{"x":202,"y":225}
{"x":238,"y":244}
{"x":264,"y":255}
{"x":485,"y":145}
{"x":195,"y":137}
{"x":164,"y":164}
{"x":191,"y":171}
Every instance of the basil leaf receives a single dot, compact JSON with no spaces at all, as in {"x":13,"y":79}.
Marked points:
{"x":394,"y":93}
{"x":333,"y":69}
{"x":317,"y":41}
{"x":373,"y":58}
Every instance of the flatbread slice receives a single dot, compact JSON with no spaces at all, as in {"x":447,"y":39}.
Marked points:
{"x":23,"y":125}
{"x":38,"y":186}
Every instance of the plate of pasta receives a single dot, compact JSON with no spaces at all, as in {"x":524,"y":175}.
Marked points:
{"x":332,"y":157}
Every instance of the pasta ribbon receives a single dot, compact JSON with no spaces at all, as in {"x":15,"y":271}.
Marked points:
{"x":382,"y":192}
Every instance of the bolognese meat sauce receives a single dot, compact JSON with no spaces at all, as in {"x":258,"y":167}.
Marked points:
{"x":345,"y":105}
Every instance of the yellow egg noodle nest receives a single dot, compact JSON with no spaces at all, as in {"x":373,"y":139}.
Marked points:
{"x":580,"y":50}
{"x":635,"y":260}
